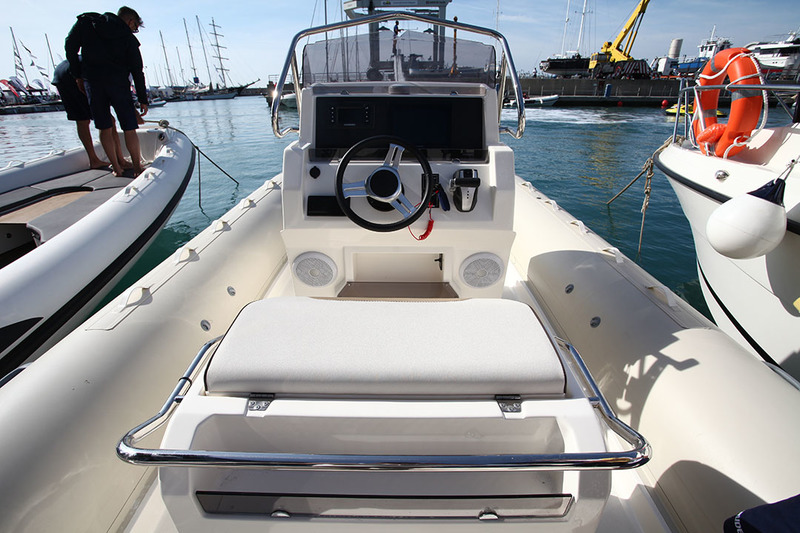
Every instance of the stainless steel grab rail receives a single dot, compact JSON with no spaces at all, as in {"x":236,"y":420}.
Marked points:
{"x":683,"y":100}
{"x":637,"y":456}
{"x":291,"y":63}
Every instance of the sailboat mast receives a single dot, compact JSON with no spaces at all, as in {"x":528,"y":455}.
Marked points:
{"x":564,"y":38}
{"x":195,"y":79}
{"x":18,"y":66}
{"x":580,"y":33}
{"x":166,"y":59}
{"x":180,"y":66}
{"x":50,"y":51}
{"x":203,"y":46}
{"x":217,"y":47}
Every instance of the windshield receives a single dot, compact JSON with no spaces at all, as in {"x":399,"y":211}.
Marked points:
{"x":398,"y":55}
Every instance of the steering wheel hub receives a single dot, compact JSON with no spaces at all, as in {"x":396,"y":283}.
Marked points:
{"x":384,"y":184}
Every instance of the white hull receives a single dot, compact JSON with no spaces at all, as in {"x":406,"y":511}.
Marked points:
{"x":541,"y":101}
{"x":779,"y":57}
{"x":53,"y":287}
{"x":753,"y":300}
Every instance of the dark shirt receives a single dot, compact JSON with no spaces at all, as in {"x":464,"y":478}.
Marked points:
{"x":109,"y":51}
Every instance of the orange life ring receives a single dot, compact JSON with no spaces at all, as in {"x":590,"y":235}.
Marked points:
{"x":718,"y":138}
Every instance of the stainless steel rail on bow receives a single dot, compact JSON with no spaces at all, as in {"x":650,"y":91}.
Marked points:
{"x":637,"y":456}
{"x":688,"y":90}
{"x":291,"y":63}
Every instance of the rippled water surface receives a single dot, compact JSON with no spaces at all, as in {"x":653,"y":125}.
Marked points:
{"x":580,"y":157}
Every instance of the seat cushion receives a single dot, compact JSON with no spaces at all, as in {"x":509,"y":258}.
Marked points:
{"x":419,"y":348}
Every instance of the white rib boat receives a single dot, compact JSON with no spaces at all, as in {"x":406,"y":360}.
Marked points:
{"x":71,"y":232}
{"x":396,"y":332}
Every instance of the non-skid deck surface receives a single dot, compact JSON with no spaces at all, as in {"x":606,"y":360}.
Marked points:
{"x":28,"y":213}
{"x":51,"y":206}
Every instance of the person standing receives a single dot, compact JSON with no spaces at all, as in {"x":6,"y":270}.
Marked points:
{"x":110,"y":57}
{"x":77,"y":107}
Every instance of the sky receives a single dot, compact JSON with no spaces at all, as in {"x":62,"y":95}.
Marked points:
{"x":256,"y":33}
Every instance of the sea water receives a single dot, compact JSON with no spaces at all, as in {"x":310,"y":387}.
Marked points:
{"x":580,"y":157}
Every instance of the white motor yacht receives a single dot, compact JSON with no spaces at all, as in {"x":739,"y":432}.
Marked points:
{"x":779,"y":59}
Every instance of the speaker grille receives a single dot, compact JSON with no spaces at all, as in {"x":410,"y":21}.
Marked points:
{"x":314,"y":269}
{"x":481,"y":270}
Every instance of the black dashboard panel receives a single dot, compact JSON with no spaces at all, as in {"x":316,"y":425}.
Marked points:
{"x":442,"y":127}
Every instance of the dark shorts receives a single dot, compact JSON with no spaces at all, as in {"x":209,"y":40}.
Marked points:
{"x":103,"y":95}
{"x":75,"y":102}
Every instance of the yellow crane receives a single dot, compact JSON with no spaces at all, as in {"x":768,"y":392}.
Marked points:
{"x":619,"y":50}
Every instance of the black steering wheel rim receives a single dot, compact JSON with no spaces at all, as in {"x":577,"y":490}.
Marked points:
{"x":418,"y":210}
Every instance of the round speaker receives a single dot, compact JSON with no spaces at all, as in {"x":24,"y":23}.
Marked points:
{"x":314,"y":269}
{"x":481,"y":270}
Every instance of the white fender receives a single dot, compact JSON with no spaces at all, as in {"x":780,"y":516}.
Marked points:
{"x":746,"y":226}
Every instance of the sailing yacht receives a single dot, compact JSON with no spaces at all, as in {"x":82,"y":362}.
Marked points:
{"x":569,"y":63}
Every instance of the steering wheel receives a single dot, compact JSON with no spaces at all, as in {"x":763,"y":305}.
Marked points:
{"x":384,"y":184}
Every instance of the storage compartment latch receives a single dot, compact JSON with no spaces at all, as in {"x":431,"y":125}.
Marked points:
{"x":509,"y":403}
{"x":259,"y":402}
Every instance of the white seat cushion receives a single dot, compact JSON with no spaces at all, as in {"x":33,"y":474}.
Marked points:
{"x":443,"y":348}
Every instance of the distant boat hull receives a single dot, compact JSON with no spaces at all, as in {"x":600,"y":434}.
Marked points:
{"x":566,"y":67}
{"x":778,"y":59}
{"x":218,"y":95}
{"x":535,"y":101}
{"x":541,"y":101}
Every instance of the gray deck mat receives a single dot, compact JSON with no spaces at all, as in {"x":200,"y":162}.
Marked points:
{"x":51,"y":224}
{"x":78,"y":179}
{"x":17,"y":195}
{"x":109,"y":181}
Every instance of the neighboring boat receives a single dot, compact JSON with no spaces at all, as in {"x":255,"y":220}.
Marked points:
{"x":211,"y":92}
{"x":707,"y":49}
{"x":289,"y":101}
{"x":532,"y":101}
{"x":157,"y":102}
{"x":747,"y":248}
{"x":222,"y":93}
{"x":779,"y":59}
{"x":72,"y":232}
{"x":569,"y":64}
{"x":541,"y":101}
{"x":399,"y":345}
{"x":673,"y":110}
{"x":566,"y":67}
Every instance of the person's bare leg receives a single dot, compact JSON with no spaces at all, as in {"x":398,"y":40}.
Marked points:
{"x":85,"y":135}
{"x":132,"y":143}
{"x":123,"y":162}
{"x":107,"y":140}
